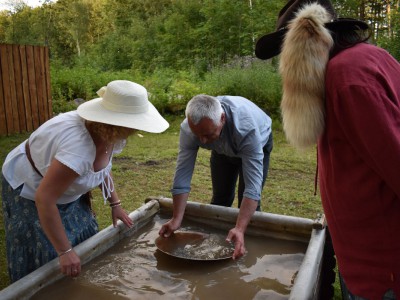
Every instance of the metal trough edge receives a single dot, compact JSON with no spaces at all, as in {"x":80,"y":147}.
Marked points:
{"x":27,"y":286}
{"x":261,"y":224}
{"x":307,"y":283}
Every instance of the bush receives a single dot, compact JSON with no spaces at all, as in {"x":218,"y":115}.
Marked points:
{"x":259,"y":82}
{"x":181,"y":92}
{"x":80,"y":83}
{"x":169,"y":90}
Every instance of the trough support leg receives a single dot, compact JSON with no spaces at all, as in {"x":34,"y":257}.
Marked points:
{"x":328,"y":274}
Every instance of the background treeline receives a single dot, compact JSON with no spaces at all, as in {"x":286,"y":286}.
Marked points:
{"x":176,"y":48}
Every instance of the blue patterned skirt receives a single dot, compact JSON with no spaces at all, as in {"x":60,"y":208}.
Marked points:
{"x":28,"y":247}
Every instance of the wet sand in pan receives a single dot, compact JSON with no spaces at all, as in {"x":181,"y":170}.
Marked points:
{"x":136,"y":269}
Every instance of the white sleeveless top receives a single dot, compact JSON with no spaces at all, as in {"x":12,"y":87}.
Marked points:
{"x":66,"y":139}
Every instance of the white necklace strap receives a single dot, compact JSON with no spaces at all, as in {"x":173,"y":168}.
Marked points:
{"x":107,"y":187}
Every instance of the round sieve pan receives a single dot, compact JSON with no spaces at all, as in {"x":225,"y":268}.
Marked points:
{"x":192,"y":245}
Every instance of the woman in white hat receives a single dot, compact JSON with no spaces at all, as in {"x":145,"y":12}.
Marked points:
{"x":47,"y":178}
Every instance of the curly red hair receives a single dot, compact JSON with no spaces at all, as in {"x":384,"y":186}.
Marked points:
{"x":109,"y":132}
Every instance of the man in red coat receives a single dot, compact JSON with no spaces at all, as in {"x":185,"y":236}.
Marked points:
{"x":344,"y":94}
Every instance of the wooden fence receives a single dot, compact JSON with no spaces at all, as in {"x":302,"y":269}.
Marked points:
{"x":25,"y":93}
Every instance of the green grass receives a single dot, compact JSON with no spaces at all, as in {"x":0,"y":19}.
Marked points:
{"x":147,"y":164}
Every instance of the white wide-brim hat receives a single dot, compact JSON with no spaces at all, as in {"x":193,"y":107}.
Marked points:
{"x":124,"y":103}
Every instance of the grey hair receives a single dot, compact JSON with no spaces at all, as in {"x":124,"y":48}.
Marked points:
{"x":204,"y":106}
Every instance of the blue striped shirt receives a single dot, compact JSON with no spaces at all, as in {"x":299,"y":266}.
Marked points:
{"x":244,"y":134}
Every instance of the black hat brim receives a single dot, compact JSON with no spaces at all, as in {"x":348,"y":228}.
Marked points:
{"x":346,"y":24}
{"x":270,"y":44}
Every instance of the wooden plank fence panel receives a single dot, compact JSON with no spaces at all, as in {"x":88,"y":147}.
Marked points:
{"x":3,"y":121}
{"x":32,"y":86}
{"x":25,"y":93}
{"x":43,"y":84}
{"x":25,"y":90}
{"x":13,"y":92}
{"x":6,"y":90}
{"x":48,"y":82}
{"x":39,"y":88}
{"x":18,"y":89}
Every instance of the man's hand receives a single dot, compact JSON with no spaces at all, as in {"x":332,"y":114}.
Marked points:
{"x":178,"y":210}
{"x":168,"y":228}
{"x":237,"y":237}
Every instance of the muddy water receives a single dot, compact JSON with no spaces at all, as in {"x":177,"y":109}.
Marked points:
{"x":136,"y":269}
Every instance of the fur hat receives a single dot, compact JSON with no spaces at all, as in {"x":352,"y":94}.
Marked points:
{"x":124,"y":103}
{"x":270,"y":45}
{"x":305,"y":54}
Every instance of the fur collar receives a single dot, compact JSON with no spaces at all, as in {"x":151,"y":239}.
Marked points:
{"x":304,"y":55}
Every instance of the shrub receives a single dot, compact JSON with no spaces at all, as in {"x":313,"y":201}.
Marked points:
{"x":80,"y":82}
{"x":259,"y":82}
{"x":169,"y":90}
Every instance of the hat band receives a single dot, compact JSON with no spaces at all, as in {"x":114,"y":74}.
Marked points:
{"x":130,"y":109}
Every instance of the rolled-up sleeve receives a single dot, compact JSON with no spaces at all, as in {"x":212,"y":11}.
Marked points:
{"x":186,"y":160}
{"x":251,"y":152}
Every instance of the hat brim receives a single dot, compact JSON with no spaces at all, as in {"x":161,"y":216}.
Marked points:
{"x":150,"y":121}
{"x":270,"y":45}
{"x":346,"y":24}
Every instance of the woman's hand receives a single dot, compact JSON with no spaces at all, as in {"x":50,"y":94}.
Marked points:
{"x":118,"y":213}
{"x":70,"y":264}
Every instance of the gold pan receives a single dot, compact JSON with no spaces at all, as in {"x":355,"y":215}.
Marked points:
{"x":195,"y":246}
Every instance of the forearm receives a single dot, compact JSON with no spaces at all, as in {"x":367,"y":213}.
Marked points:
{"x":114,"y":197}
{"x":179,"y":204}
{"x":236,"y":234}
{"x":50,"y":221}
{"x":56,"y":181}
{"x":178,"y":210}
{"x":247,"y":209}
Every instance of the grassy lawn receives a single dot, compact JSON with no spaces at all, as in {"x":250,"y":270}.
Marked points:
{"x":146,"y":168}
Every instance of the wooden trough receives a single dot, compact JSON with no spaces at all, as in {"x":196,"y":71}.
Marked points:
{"x":313,"y":280}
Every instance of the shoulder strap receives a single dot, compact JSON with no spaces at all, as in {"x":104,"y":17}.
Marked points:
{"x":28,"y":155}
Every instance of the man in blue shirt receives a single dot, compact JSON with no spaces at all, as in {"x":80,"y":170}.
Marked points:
{"x":239,"y":135}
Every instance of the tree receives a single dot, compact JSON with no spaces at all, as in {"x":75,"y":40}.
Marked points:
{"x":147,"y":35}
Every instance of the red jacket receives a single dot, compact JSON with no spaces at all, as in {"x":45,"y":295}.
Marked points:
{"x":359,"y":168}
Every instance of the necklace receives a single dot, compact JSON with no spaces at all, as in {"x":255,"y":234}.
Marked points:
{"x":109,"y":145}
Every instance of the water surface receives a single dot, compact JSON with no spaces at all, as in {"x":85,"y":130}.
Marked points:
{"x":136,"y":269}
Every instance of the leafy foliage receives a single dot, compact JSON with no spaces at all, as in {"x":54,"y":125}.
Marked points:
{"x":170,"y":90}
{"x":391,"y":42}
{"x":80,"y":83}
{"x":258,"y":82}
{"x":148,"y":35}
{"x":143,"y":34}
